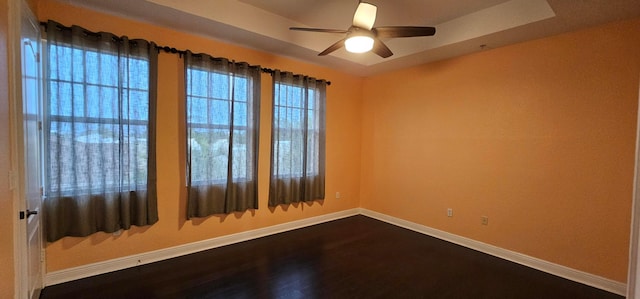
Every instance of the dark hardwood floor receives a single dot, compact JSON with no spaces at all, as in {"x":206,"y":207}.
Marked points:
{"x":356,"y":257}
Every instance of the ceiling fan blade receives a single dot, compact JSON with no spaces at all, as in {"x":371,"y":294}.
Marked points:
{"x":318,"y":30}
{"x":339,"y":44}
{"x":365,"y":15}
{"x":380,"y":48}
{"x":403,"y":31}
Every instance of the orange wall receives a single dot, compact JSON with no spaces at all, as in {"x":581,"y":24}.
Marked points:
{"x":538,"y":136}
{"x":343,"y":147}
{"x":6,"y":201}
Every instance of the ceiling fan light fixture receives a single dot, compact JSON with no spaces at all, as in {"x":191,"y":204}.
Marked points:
{"x":359,"y":44}
{"x":362,"y":37}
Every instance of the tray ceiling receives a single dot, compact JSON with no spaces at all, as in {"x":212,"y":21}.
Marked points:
{"x":463,"y":26}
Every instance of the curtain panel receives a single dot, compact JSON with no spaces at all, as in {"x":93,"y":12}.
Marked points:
{"x":222,"y":114}
{"x":100,"y":130}
{"x":297,"y":139}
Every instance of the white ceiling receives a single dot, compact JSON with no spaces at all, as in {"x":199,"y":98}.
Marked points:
{"x":462,"y":26}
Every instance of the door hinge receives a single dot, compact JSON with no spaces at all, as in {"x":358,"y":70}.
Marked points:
{"x":41,"y":192}
{"x":38,"y":57}
{"x":40,"y":125}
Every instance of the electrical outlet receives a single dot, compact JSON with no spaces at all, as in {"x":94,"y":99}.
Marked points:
{"x":449,"y":212}
{"x":337,"y":195}
{"x":485,"y":220}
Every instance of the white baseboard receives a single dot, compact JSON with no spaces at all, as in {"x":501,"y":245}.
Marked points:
{"x":84,"y":271}
{"x":532,"y":262}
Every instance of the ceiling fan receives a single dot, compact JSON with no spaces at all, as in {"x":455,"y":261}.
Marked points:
{"x":363,"y":37}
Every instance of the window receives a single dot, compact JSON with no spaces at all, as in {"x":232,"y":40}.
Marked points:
{"x":297,"y":122}
{"x":88,"y":100}
{"x":298,"y":139}
{"x":209,"y":106}
{"x":99,"y":127}
{"x":222,"y":115}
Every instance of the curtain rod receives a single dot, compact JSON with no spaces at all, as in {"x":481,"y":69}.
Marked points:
{"x":172,"y":50}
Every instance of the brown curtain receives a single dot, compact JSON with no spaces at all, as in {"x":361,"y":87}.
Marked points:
{"x":222,"y":113}
{"x":297,"y":139}
{"x":100,"y":132}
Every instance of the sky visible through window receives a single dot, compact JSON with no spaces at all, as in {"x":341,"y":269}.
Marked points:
{"x":93,"y":79}
{"x":208,"y":98}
